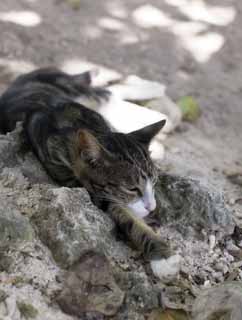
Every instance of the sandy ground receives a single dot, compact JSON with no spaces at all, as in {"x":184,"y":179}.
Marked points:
{"x":192,"y":50}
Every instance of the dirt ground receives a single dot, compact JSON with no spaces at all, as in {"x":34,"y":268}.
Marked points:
{"x":192,"y":51}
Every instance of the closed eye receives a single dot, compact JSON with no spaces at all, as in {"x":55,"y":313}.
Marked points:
{"x":136,"y":190}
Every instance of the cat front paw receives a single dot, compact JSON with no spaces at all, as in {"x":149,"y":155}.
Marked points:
{"x":166,"y":269}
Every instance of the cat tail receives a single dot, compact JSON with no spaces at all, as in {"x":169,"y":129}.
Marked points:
{"x":85,"y":79}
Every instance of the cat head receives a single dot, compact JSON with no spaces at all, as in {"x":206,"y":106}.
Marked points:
{"x":117,"y":168}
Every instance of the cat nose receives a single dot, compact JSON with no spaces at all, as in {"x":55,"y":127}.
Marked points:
{"x":150,"y":206}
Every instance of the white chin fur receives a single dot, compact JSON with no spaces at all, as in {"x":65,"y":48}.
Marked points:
{"x":166,"y":269}
{"x":138,"y":209}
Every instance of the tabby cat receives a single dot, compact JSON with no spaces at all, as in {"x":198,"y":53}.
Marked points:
{"x":77,"y":147}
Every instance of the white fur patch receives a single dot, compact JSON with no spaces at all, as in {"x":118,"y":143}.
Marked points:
{"x":145,"y":204}
{"x":149,"y":196}
{"x":166,"y":269}
{"x":138,"y":208}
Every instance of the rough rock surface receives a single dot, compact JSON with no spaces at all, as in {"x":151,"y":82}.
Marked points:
{"x":44,"y":230}
{"x":222,"y":302}
{"x":111,"y":33}
{"x":90,"y":287}
{"x":47,"y":229}
{"x":190,"y":206}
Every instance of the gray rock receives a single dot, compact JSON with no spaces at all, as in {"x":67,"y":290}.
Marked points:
{"x":13,"y":226}
{"x":134,"y":88}
{"x":190,"y":207}
{"x":166,"y":106}
{"x":69,"y":224}
{"x":223,"y":302}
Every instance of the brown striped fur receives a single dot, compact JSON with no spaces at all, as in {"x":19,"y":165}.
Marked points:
{"x":77,"y":147}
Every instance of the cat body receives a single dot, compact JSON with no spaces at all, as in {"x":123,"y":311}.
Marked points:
{"x":77,"y":147}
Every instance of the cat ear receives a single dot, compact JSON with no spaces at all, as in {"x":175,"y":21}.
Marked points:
{"x":89,"y":145}
{"x":146,"y":134}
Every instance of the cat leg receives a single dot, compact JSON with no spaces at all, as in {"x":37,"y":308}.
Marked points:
{"x":164,"y":264}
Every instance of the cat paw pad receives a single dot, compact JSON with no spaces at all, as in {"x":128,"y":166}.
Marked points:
{"x":166,"y":269}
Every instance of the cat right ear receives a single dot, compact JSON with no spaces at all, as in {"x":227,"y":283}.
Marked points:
{"x":146,"y":134}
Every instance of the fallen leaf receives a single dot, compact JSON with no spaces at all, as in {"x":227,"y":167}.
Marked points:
{"x":75,"y":4}
{"x":190,"y":108}
{"x":168,"y":314}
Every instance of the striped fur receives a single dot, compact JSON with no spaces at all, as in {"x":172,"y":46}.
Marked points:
{"x":78,"y":148}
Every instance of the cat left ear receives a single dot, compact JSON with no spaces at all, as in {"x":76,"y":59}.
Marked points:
{"x":91,"y":149}
{"x":89,"y":145}
{"x":146,"y":134}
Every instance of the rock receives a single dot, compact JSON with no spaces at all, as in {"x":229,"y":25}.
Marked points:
{"x":134,"y":88}
{"x":8,"y":149}
{"x":234,"y":175}
{"x":192,"y":207}
{"x":69,"y":224}
{"x":223,"y":302}
{"x":14,"y":227}
{"x":166,"y":106}
{"x":90,"y":287}
{"x":138,"y":288}
{"x":115,"y":111}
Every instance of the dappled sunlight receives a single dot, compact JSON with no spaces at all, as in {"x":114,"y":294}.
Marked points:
{"x":194,"y":35}
{"x":127,"y":37}
{"x":116,"y":10}
{"x":103,"y":76}
{"x":148,"y":16}
{"x":125,"y":34}
{"x":111,"y":24}
{"x":195,"y":38}
{"x":203,"y":46}
{"x":193,"y":32}
{"x":186,"y":29}
{"x":92,"y":32}
{"x":198,"y":10}
{"x":23,"y":18}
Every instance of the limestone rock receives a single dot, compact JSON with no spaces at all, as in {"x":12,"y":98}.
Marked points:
{"x":192,"y":207}
{"x":69,"y":224}
{"x":14,"y":227}
{"x":134,"y":88}
{"x":166,"y":106}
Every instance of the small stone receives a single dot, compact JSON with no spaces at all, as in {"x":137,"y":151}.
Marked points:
{"x":166,"y":106}
{"x":219,"y":266}
{"x":212,"y":242}
{"x":234,"y":175}
{"x":90,"y":287}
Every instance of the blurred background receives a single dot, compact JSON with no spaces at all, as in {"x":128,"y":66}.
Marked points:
{"x":192,"y":47}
